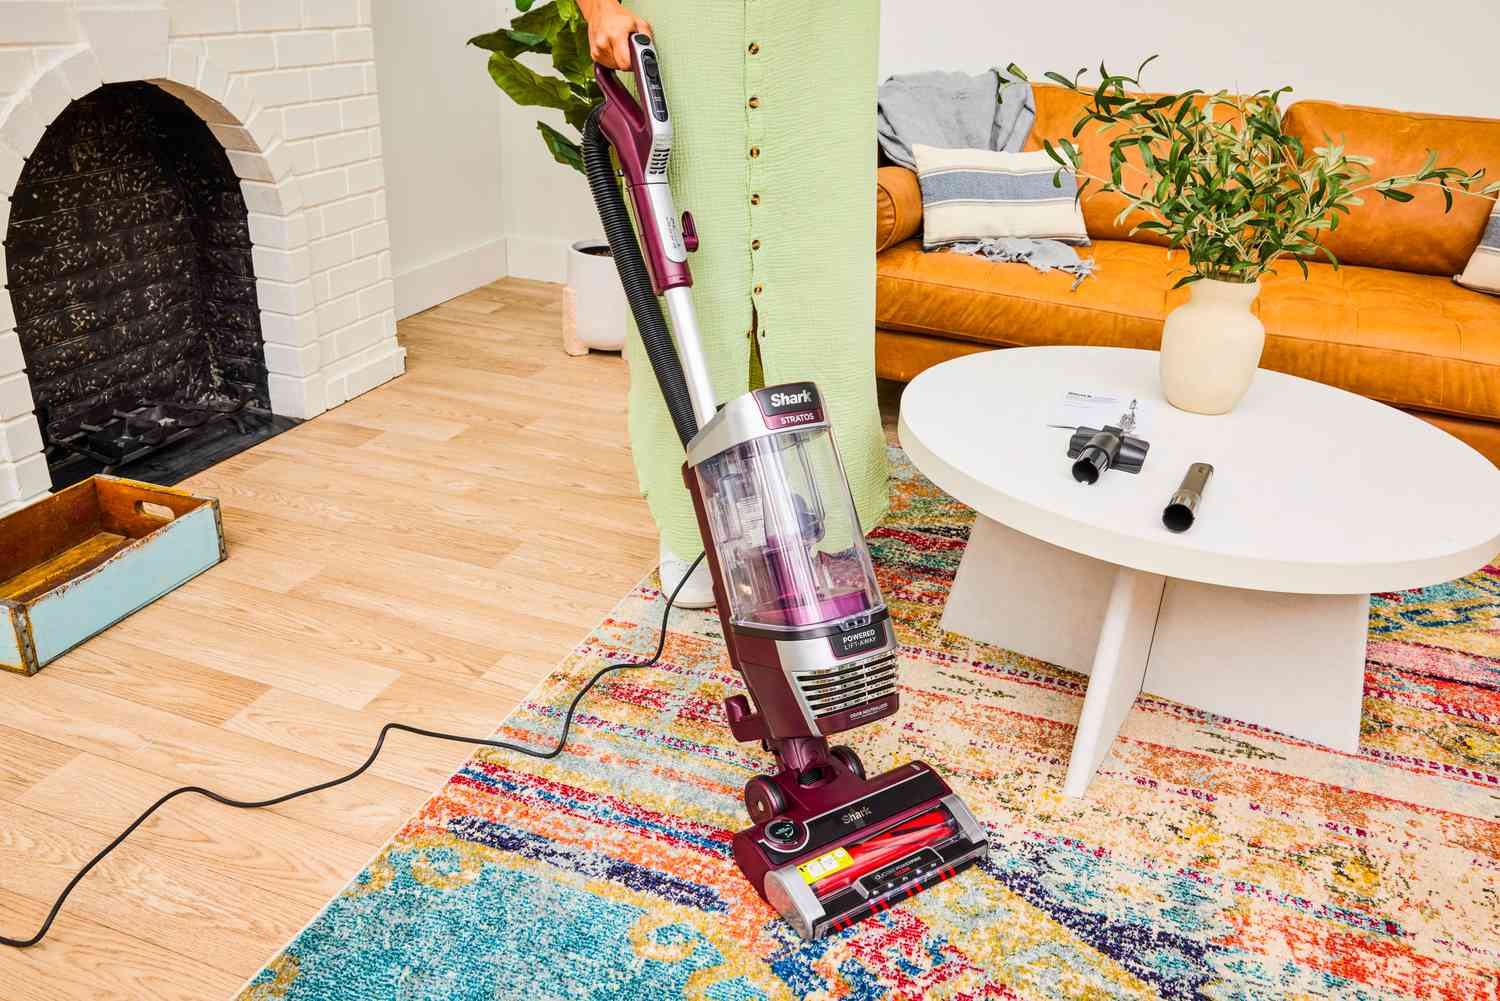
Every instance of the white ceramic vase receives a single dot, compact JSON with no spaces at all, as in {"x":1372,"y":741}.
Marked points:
{"x":594,"y":305}
{"x":1210,"y":347}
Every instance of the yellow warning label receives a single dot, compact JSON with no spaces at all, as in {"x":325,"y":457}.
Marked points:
{"x":825,"y":865}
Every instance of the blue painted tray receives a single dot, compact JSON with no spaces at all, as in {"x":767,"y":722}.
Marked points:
{"x":75,"y":563}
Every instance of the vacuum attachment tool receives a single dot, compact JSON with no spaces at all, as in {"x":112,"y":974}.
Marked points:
{"x":1182,"y":509}
{"x":1098,"y":450}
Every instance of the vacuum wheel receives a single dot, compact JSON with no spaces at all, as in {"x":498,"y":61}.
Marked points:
{"x":763,"y":798}
{"x":846,"y":754}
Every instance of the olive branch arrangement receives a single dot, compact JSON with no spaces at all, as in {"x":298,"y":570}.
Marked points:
{"x":1217,"y":175}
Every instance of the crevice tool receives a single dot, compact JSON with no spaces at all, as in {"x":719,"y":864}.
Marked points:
{"x":1182,"y":509}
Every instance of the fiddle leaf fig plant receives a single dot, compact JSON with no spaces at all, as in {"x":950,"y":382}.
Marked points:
{"x":559,"y":30}
{"x":1218,"y":175}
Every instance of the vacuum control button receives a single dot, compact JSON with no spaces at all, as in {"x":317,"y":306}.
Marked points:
{"x":784,"y":831}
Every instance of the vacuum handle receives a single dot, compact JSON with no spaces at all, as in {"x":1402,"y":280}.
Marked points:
{"x":617,"y":93}
{"x":641,"y":133}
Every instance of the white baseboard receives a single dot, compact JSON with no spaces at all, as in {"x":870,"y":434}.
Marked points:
{"x":544,"y":260}
{"x":426,"y":285}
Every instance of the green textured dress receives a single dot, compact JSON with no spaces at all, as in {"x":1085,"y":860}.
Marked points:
{"x":774,"y":154}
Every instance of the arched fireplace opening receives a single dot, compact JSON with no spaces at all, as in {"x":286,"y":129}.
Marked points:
{"x":130,"y":272}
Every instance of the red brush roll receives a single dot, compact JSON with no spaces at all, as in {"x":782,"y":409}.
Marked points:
{"x":919,"y":832}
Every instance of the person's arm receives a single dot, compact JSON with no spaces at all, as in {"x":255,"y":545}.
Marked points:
{"x":610,"y":28}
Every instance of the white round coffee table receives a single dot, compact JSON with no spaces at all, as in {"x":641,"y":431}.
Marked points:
{"x":1258,"y":612}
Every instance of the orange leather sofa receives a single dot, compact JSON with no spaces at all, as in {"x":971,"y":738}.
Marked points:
{"x":1389,"y":324}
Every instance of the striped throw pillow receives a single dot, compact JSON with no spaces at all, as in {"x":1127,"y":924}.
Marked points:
{"x":976,"y":194}
{"x":1483,"y":270}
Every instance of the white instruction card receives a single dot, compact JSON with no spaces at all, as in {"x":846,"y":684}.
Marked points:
{"x":1095,"y":410}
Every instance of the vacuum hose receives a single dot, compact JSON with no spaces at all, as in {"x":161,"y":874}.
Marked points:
{"x":636,"y":279}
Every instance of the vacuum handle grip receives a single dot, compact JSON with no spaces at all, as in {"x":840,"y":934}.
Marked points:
{"x":647,"y":72}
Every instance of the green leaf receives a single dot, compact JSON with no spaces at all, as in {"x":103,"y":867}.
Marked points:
{"x":1428,"y":164}
{"x":524,"y":5}
{"x":512,"y":43}
{"x":527,"y":87}
{"x":578,"y":113}
{"x":1053,"y":152}
{"x":564,"y":150}
{"x":570,"y":54}
{"x":1395,"y":194}
{"x":546,"y":20}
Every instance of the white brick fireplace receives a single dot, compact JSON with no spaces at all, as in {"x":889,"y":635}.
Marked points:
{"x":288,"y":87}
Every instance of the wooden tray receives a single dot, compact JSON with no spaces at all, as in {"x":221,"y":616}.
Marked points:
{"x":77,"y":562}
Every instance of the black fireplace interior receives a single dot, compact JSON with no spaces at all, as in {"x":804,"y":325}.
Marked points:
{"x":130,"y":272}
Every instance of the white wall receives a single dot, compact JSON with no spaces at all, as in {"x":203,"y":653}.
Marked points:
{"x":1380,"y":52}
{"x":441,"y":125}
{"x":547,"y":205}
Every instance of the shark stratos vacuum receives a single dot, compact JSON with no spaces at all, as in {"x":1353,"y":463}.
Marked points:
{"x":801,"y":611}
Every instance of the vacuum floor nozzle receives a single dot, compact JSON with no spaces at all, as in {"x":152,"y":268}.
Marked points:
{"x":906,"y":834}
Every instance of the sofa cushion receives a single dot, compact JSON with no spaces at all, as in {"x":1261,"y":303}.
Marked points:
{"x":1417,"y":235}
{"x":1411,"y":340}
{"x":898,"y":206}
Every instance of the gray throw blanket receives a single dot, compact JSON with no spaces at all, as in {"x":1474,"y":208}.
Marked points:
{"x":952,"y":111}
{"x":964,"y":111}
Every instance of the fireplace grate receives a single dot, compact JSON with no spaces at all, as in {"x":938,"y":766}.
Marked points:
{"x":111,"y":437}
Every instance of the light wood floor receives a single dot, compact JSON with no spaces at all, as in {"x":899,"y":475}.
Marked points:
{"x":426,"y":552}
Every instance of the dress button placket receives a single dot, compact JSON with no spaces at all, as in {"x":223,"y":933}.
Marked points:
{"x":757,"y":153}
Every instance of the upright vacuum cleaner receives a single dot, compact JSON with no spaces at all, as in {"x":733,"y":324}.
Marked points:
{"x":802,"y":614}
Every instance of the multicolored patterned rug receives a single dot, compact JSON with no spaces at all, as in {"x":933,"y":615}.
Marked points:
{"x":1211,"y":859}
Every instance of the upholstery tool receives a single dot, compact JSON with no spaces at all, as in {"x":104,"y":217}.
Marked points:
{"x":1095,"y":451}
{"x":802,"y":615}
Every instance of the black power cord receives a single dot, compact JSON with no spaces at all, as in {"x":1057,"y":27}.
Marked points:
{"x":562,"y":740}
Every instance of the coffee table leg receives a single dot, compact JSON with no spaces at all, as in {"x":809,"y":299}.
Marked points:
{"x":1291,"y":662}
{"x":1025,"y":595}
{"x":1119,"y":667}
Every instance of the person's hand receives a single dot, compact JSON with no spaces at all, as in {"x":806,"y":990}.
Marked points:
{"x":610,"y":28}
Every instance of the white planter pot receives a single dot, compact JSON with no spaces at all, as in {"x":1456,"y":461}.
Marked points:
{"x":1210,"y":347}
{"x":594,"y":307}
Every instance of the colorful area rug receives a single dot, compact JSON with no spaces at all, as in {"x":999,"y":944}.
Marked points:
{"x":1211,"y":859}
